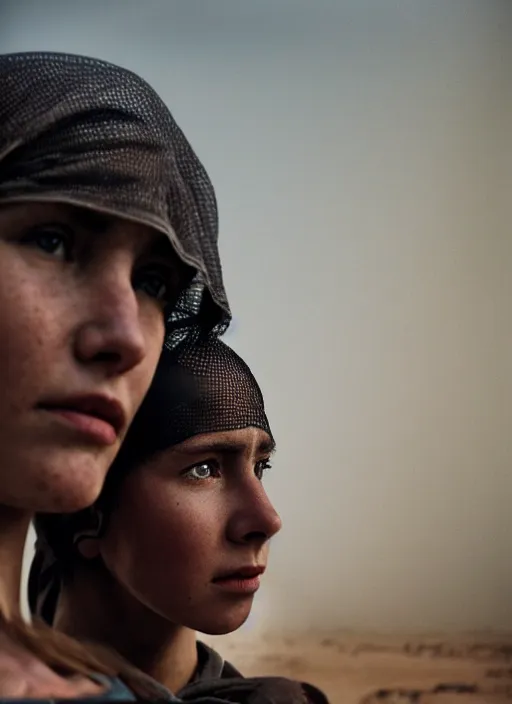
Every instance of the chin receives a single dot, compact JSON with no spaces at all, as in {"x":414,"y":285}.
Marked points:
{"x":222,"y":623}
{"x":69,"y":485}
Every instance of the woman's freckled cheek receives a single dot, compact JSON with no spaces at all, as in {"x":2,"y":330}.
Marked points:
{"x":33,"y":331}
{"x":162,"y":525}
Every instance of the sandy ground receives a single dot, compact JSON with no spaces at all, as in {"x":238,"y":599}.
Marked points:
{"x":355,"y":669}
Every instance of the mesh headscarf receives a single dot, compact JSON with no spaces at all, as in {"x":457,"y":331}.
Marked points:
{"x":200,"y":386}
{"x":84,"y":132}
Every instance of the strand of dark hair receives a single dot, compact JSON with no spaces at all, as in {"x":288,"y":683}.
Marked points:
{"x":67,"y":656}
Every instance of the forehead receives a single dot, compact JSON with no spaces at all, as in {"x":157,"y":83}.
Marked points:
{"x":248,"y":440}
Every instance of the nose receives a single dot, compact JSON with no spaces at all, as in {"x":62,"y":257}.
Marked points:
{"x":255,"y":519}
{"x":111,"y":334}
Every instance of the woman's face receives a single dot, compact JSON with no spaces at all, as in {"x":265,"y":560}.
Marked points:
{"x":190,"y":531}
{"x":82,"y":300}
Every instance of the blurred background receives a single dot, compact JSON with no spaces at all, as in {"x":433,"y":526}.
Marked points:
{"x":361,"y":152}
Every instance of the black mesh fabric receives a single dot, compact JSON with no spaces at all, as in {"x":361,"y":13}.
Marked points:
{"x":200,"y":386}
{"x":84,"y":132}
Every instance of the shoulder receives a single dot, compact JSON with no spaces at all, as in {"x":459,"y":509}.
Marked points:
{"x":217,"y":677}
{"x":115,"y":690}
{"x":282,"y":690}
{"x":254,"y":690}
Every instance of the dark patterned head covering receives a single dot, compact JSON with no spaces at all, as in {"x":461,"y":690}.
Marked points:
{"x":84,"y":132}
{"x":200,"y":386}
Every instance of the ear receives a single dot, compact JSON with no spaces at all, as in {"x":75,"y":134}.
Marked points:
{"x":89,"y":548}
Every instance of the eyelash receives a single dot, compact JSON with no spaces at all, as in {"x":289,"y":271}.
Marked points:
{"x":260,"y":468}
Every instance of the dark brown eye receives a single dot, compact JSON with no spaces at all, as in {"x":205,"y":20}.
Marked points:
{"x":155,"y":283}
{"x":55,"y":240}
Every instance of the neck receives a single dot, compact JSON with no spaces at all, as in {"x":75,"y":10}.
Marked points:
{"x":163,"y":650}
{"x":14,"y":524}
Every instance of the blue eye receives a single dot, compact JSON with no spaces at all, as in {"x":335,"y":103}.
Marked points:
{"x":261,"y":467}
{"x":204,"y":470}
{"x":55,"y":240}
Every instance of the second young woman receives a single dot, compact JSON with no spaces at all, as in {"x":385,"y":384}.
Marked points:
{"x":179,"y":540}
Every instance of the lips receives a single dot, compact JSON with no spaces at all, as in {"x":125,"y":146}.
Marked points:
{"x":95,"y":408}
{"x":242,"y":582}
{"x":247,"y":572}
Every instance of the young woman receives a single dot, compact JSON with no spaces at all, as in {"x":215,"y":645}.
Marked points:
{"x":179,"y":539}
{"x":105,"y":215}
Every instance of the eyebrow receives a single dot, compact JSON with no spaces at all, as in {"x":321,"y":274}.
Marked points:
{"x":91,"y":220}
{"x":221,"y":446}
